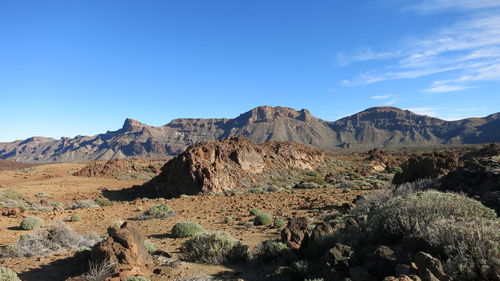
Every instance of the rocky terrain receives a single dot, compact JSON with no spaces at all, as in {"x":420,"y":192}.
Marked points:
{"x":224,"y":165}
{"x":374,"y":127}
{"x":237,"y":210}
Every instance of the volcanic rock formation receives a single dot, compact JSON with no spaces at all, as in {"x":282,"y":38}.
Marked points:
{"x":218,"y":166}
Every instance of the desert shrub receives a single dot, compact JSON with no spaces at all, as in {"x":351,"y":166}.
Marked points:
{"x":228,"y":219}
{"x":377,"y":198}
{"x":254,"y":211}
{"x":256,"y":190}
{"x":279,"y":223}
{"x":30,"y":223}
{"x":307,"y":185}
{"x":13,"y":195}
{"x":346,"y":190}
{"x":8,"y":275}
{"x":186,"y":229}
{"x":98,"y":271}
{"x":75,"y":218}
{"x":214,"y":248}
{"x":83,"y":204}
{"x":9,"y":250}
{"x":58,"y":236}
{"x":137,"y":278}
{"x":472,"y":246}
{"x":274,"y":251}
{"x":263,"y":219}
{"x":157,"y":212}
{"x":103,"y":202}
{"x":409,"y":216}
{"x":150,"y":246}
{"x":118,"y":223}
{"x":41,"y":195}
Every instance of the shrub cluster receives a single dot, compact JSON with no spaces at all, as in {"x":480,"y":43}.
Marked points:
{"x":274,"y":251}
{"x":157,"y":212}
{"x":279,"y":223}
{"x":30,"y":223}
{"x":58,"y":236}
{"x":214,"y":248}
{"x":150,"y":246}
{"x":263,"y":219}
{"x":137,"y":278}
{"x":8,"y":275}
{"x":186,"y":229}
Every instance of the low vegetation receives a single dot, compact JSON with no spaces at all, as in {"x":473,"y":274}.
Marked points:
{"x":274,"y":252}
{"x":214,"y":248}
{"x":8,"y":275}
{"x":30,"y":223}
{"x":150,"y":246}
{"x":157,"y":212}
{"x":263,"y":219}
{"x":58,"y":236}
{"x":186,"y":229}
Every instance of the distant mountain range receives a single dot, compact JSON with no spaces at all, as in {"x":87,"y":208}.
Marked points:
{"x":374,"y":127}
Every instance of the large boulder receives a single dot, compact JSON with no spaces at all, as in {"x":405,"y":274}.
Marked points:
{"x":429,"y":268}
{"x":219,"y":166}
{"x":125,"y":249}
{"x":479,"y":177}
{"x":295,"y":232}
{"x":427,"y":166}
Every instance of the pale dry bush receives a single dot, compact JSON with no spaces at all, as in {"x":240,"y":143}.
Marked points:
{"x":58,"y":236}
{"x":409,"y":216}
{"x":196,"y":277}
{"x":471,"y":244}
{"x":98,"y":271}
{"x":214,"y":248}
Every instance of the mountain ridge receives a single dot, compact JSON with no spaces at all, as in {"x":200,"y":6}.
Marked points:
{"x":383,"y":126}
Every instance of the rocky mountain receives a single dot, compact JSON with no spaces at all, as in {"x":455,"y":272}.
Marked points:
{"x":374,"y":127}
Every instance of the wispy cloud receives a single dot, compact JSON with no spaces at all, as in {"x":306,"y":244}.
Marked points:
{"x":382,"y":97}
{"x":430,"y":111}
{"x":437,"y":5}
{"x":467,"y":51}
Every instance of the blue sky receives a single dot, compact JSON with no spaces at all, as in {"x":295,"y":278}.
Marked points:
{"x":83,"y":66}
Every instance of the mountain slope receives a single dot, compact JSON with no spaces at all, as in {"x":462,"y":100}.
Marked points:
{"x":374,"y":127}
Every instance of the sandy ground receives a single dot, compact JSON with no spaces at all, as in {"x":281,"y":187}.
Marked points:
{"x":210,"y":211}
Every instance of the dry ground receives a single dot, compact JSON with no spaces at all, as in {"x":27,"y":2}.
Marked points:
{"x":210,"y":211}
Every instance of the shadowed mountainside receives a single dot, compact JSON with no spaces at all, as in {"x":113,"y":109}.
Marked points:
{"x":374,"y":127}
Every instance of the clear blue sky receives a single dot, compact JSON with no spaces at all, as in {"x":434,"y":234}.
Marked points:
{"x":83,"y":66}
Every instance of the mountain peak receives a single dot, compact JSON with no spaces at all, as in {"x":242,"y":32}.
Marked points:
{"x":267,"y":113}
{"x":132,"y":125}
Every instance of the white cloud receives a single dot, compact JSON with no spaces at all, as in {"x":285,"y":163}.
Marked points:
{"x":382,"y":97}
{"x":391,"y":102}
{"x":467,"y":51}
{"x":437,"y":5}
{"x":430,"y":111}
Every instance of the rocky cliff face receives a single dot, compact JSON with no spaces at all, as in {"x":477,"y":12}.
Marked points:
{"x":374,"y":127}
{"x":217,"y":166}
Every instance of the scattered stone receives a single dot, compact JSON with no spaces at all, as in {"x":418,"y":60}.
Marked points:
{"x":429,"y":268}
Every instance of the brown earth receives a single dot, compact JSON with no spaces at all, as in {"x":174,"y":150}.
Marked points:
{"x":58,"y":181}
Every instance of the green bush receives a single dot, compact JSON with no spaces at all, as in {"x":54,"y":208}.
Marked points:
{"x":472,"y":246}
{"x":103,"y":202}
{"x":186,"y":229}
{"x":279,"y":223}
{"x":75,"y":218}
{"x":214,"y":248}
{"x":8,"y":275}
{"x":137,"y":278}
{"x":156,"y":212}
{"x":10,"y":250}
{"x":11,"y":194}
{"x":263,"y":219}
{"x":41,"y":195}
{"x":410,"y":216}
{"x":254,"y":211}
{"x":150,"y":246}
{"x":228,"y":219}
{"x":274,"y":251}
{"x":30,"y":223}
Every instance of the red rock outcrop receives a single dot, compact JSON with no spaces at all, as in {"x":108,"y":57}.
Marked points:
{"x":125,"y":250}
{"x":427,"y":166}
{"x":218,"y":166}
